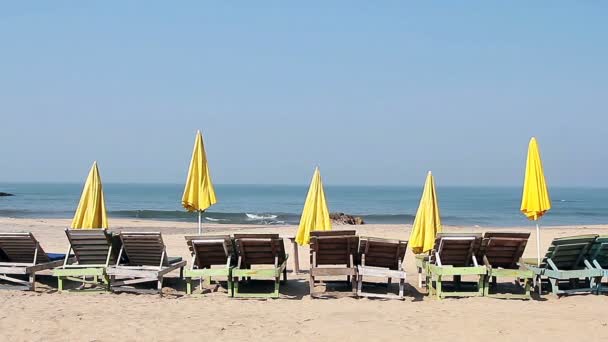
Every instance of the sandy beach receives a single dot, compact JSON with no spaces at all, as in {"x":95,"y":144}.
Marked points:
{"x":50,"y":316}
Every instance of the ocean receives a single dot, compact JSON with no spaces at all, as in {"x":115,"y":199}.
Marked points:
{"x":282,"y":204}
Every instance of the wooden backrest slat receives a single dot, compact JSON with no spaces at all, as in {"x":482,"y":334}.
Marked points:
{"x":90,"y":246}
{"x":144,"y":248}
{"x":259,"y":249}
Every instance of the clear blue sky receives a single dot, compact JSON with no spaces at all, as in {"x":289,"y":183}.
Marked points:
{"x":373,"y":94}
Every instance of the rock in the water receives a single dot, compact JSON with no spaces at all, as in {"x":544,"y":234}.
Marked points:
{"x":2,"y":194}
{"x":342,"y":218}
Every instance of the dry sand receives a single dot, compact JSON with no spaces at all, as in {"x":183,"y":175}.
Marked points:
{"x":50,"y":316}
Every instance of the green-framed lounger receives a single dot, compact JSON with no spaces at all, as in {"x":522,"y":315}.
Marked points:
{"x":333,"y":254}
{"x":381,"y":258}
{"x":22,"y":255}
{"x":598,"y":255}
{"x":254,"y":250}
{"x":206,"y":252}
{"x":501,"y":253}
{"x":455,"y":255}
{"x":566,"y":261}
{"x":93,"y":253}
{"x":146,"y":261}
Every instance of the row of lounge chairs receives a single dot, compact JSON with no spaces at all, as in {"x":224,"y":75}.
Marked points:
{"x":579,"y":262}
{"x":100,"y":261}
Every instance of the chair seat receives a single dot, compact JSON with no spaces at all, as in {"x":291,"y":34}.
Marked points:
{"x":55,"y":256}
{"x":173,"y":260}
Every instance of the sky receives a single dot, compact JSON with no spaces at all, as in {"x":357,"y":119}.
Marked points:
{"x":372,"y":92}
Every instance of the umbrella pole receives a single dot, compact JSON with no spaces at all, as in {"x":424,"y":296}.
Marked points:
{"x":538,"y":279}
{"x":538,"y":243}
{"x":199,"y":222}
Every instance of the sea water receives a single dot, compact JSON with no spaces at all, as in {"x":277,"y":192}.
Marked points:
{"x":282,"y":204}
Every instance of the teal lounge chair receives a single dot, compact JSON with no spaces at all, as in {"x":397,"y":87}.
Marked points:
{"x":207,"y":252}
{"x":501,"y":253}
{"x":598,"y":255}
{"x":455,"y":255}
{"x":566,"y":262}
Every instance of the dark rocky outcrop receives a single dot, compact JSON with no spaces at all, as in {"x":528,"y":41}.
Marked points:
{"x":3,"y":194}
{"x":342,"y":218}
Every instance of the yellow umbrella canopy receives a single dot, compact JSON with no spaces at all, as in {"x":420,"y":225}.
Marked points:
{"x":91,"y":212}
{"x":535,"y":201}
{"x":428,"y":221}
{"x":198,"y":192}
{"x":315,"y":215}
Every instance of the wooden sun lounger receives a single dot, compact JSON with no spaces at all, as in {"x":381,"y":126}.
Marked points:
{"x":333,"y":253}
{"x":455,"y":255}
{"x":259,"y":250}
{"x":566,"y":261}
{"x":208,"y":251}
{"x":147,"y":261}
{"x":501,"y":253}
{"x":93,"y":252}
{"x":21,"y":254}
{"x":598,"y":255}
{"x":381,"y":258}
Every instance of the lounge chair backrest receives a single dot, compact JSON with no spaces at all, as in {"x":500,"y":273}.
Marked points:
{"x":456,"y":249}
{"x":144,"y":248}
{"x":210,"y":250}
{"x":256,"y":236}
{"x":91,"y":246}
{"x":382,"y":252}
{"x":569,"y":253}
{"x":334,"y":250}
{"x":260,"y":250}
{"x":322,"y":233}
{"x":503,"y":249}
{"x":599,"y":251}
{"x":21,"y":248}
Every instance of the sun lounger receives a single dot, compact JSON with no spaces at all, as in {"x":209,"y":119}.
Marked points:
{"x":209,"y":251}
{"x":381,"y":258}
{"x":265,"y":250}
{"x":455,"y":255}
{"x":21,"y":254}
{"x":147,"y":261}
{"x":566,"y":261}
{"x":501,"y":253}
{"x":333,"y":253}
{"x":93,"y":253}
{"x":598,"y":255}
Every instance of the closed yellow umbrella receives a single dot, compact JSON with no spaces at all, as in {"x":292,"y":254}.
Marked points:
{"x":198,"y":192}
{"x":428,"y":221}
{"x":535,"y":201}
{"x":91,"y":212}
{"x":315,"y":215}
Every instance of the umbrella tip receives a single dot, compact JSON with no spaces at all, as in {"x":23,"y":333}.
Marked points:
{"x":430,"y":173}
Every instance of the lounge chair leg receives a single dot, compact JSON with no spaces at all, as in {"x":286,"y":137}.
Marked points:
{"x":388,"y":283}
{"x":33,"y":282}
{"x":401,"y":287}
{"x":277,"y":281}
{"x":527,"y":287}
{"x":160,"y":285}
{"x":354,"y":284}
{"x":481,"y":285}
{"x":359,"y":285}
{"x":285,"y":275}
{"x":60,"y":283}
{"x":235,"y":287}
{"x":208,"y":281}
{"x":188,"y":285}
{"x":419,"y":277}
{"x":311,"y":284}
{"x":181,"y":273}
{"x":554,"y":286}
{"x":486,"y":285}
{"x":438,"y":288}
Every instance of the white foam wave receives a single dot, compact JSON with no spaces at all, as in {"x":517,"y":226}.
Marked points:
{"x":214,"y":219}
{"x":260,"y":217}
